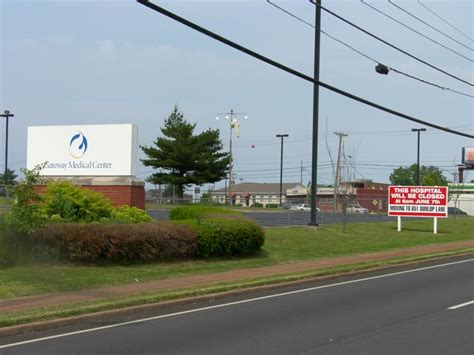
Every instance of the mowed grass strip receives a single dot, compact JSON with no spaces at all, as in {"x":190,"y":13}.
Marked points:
{"x":282,"y":245}
{"x":77,"y":309}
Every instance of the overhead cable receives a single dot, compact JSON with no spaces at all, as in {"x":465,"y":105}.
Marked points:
{"x":367,"y":56}
{"x":446,"y":22}
{"x":290,"y":70}
{"x":389,"y":44}
{"x":416,"y":31}
{"x":427,"y":24}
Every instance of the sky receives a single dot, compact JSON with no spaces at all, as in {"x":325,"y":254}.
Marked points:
{"x":102,"y":62}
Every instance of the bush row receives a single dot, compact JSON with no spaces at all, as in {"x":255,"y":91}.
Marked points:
{"x":146,"y":242}
{"x":108,"y":243}
{"x":221,"y":232}
{"x":227,"y":237}
{"x":199,"y":212}
{"x":65,"y":202}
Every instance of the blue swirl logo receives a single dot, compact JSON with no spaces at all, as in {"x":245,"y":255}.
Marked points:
{"x":78,"y":145}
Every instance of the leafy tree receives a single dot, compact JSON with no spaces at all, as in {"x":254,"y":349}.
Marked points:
{"x":429,"y":176}
{"x":184,"y":158}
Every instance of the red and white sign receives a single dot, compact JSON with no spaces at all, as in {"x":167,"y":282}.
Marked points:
{"x":418,"y":201}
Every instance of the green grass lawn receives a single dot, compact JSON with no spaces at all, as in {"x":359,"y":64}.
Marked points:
{"x":282,"y":245}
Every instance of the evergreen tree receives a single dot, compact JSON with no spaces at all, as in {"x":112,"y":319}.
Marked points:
{"x":184,"y":158}
{"x":11,"y":178}
{"x":429,"y":176}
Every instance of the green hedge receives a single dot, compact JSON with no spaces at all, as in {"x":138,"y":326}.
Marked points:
{"x":114,"y":243}
{"x":227,"y":237}
{"x":65,"y":202}
{"x":127,"y":214}
{"x":198,"y":212}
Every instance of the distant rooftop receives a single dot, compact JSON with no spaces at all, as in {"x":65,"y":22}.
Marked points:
{"x":253,"y":187}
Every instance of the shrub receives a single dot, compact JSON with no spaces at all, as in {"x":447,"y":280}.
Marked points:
{"x":272,"y":205}
{"x":25,"y":213}
{"x":70,"y":203}
{"x":227,"y":237}
{"x":114,"y":243}
{"x":6,"y":201}
{"x":257,"y":204}
{"x":198,"y":212}
{"x":127,"y":214}
{"x":13,"y":244}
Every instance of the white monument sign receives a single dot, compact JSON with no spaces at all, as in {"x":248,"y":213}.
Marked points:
{"x":84,"y":150}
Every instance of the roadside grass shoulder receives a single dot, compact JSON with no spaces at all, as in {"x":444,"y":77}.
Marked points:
{"x":77,"y":309}
{"x":282,"y":245}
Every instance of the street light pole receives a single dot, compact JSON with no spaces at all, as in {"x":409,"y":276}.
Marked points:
{"x":234,"y":125}
{"x":7,"y":115}
{"x":230,"y":154}
{"x":418,"y":130}
{"x":281,"y":162}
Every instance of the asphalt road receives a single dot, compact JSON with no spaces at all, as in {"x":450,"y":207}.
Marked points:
{"x":386,"y":313}
{"x":294,"y":218}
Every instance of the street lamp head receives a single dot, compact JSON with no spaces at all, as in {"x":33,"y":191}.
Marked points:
{"x":282,"y":135}
{"x":381,"y":69}
{"x":7,"y":114}
{"x":246,"y":117}
{"x":418,"y":129}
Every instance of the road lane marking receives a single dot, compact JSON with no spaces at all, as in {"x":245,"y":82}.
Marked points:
{"x":461,"y":305}
{"x":228,"y":304}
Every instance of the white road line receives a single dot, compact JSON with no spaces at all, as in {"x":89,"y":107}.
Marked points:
{"x":461,"y":305}
{"x":228,"y":304}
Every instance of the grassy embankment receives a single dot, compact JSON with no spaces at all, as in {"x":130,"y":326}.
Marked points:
{"x":282,"y":245}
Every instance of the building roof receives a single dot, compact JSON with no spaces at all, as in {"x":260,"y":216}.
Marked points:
{"x":262,"y":188}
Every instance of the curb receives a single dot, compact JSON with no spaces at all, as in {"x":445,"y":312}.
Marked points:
{"x":129,"y":310}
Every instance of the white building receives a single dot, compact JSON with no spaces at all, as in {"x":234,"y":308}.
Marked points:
{"x":462,"y":197}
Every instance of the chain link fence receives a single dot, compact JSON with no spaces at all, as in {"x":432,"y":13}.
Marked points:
{"x":297,"y":212}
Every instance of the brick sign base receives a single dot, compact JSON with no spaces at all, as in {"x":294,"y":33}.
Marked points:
{"x":120,"y":190}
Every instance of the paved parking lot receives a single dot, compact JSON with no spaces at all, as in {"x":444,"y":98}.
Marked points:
{"x":294,"y":218}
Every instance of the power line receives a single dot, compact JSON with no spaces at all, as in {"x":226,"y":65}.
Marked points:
{"x":367,"y":56}
{"x":389,"y":44}
{"x":428,"y":82}
{"x":415,"y":31}
{"x":427,"y":24}
{"x":290,"y":70}
{"x":446,"y":22}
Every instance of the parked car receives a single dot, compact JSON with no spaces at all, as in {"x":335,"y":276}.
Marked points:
{"x":303,"y":207}
{"x":455,"y":210}
{"x":356,"y":208}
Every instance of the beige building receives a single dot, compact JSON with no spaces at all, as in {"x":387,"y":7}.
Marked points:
{"x":260,"y":194}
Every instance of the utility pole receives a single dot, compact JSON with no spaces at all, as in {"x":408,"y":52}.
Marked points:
{"x":7,"y":115}
{"x":301,"y":173}
{"x":418,"y":130}
{"x":314,"y":155}
{"x":281,"y":163}
{"x":336,"y":178}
